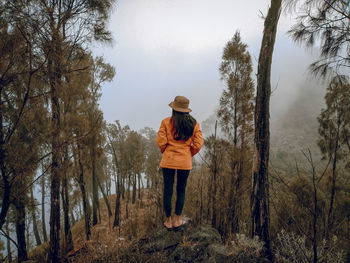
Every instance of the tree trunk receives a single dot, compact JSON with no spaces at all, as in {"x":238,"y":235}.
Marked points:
{"x":72,"y":217}
{"x":105,"y":198}
{"x":9,"y":252}
{"x":95,"y":203}
{"x":20,"y":231}
{"x":260,"y":192}
{"x":117,"y":203}
{"x":315,"y":214}
{"x":122,"y":188}
{"x":117,"y":210}
{"x":35,"y":225}
{"x":43,"y":206}
{"x":334,"y":177}
{"x":5,"y":204}
{"x":68,"y":240}
{"x":215,"y":171}
{"x":54,"y":74}
{"x":139,"y":181}
{"x":86,"y":207}
{"x":134,"y":189}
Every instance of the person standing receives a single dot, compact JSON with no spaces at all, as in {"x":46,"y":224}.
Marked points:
{"x":179,"y":138}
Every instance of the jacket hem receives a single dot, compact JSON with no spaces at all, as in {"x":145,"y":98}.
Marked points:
{"x":175,"y":167}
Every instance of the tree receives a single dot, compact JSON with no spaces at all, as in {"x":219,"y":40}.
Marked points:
{"x":215,"y":154}
{"x":153,"y":157}
{"x":19,"y":66}
{"x":334,"y":130}
{"x":326,"y":23}
{"x":65,"y":27}
{"x":116,"y":135}
{"x":101,"y":72}
{"x":236,"y":116}
{"x":260,"y":191}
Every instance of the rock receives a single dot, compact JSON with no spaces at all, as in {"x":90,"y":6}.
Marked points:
{"x":162,"y":239}
{"x":199,"y":244}
{"x":205,"y":235}
{"x":217,"y":253}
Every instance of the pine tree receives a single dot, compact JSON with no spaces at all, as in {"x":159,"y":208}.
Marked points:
{"x":236,"y":117}
{"x":334,"y":130}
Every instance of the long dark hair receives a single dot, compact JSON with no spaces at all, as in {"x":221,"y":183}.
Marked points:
{"x":183,"y":125}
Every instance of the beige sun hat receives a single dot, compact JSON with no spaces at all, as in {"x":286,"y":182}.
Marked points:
{"x":180,"y":104}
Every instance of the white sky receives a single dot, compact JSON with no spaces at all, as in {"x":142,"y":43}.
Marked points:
{"x":164,"y":48}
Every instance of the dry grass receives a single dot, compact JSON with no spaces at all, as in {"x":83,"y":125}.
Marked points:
{"x":109,"y":244}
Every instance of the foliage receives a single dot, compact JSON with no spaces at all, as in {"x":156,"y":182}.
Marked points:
{"x":247,"y":246}
{"x":290,"y":247}
{"x":324,"y":23}
{"x":236,"y":102}
{"x":334,"y":120}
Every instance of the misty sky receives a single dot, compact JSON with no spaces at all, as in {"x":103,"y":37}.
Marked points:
{"x":164,"y":48}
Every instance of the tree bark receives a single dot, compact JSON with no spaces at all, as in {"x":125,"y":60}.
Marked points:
{"x":139,"y":181}
{"x":5,"y":205}
{"x":86,"y":207}
{"x":9,"y":252}
{"x":334,"y":177}
{"x":20,"y":231}
{"x":72,"y":217}
{"x":215,"y":171}
{"x":117,"y":210}
{"x":68,"y":240}
{"x":134,"y":189}
{"x":95,"y":203}
{"x":43,"y":206}
{"x":105,"y":198}
{"x":260,"y":192}
{"x":54,"y":74}
{"x":35,"y":225}
{"x":315,"y":215}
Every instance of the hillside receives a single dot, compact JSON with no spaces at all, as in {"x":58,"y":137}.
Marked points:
{"x":297,"y":130}
{"x":139,"y":240}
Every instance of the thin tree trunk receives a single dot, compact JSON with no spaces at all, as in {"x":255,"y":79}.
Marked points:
{"x":65,"y":201}
{"x":20,"y":231}
{"x":72,"y":217}
{"x":105,"y":198}
{"x":260,"y":192}
{"x":117,"y":203}
{"x":215,"y":171}
{"x":134,"y":189}
{"x":334,"y":177}
{"x":123,"y":188}
{"x":6,"y":185}
{"x":139,"y":180}
{"x":95,"y":203}
{"x":314,"y":224}
{"x":54,"y":74}
{"x":35,"y":225}
{"x":86,"y":207}
{"x":43,"y":206}
{"x":9,"y":252}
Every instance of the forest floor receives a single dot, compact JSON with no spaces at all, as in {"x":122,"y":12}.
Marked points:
{"x":106,"y":240}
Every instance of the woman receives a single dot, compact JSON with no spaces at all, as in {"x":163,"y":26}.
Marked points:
{"x":179,"y":138}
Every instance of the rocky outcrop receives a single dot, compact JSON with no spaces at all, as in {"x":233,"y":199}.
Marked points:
{"x":199,"y":244}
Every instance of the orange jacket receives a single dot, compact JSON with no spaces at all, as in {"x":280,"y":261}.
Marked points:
{"x":177,"y":154}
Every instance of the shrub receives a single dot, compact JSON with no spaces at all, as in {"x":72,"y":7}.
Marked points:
{"x":290,"y":248}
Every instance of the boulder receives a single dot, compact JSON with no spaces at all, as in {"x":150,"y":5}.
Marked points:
{"x":198,"y":244}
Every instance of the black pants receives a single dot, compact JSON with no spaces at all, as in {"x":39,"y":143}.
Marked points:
{"x":168,"y":175}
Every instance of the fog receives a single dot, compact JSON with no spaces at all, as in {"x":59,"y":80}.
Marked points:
{"x":166,"y":48}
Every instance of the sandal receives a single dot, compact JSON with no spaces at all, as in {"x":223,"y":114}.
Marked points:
{"x":183,"y":224}
{"x":168,"y":228}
